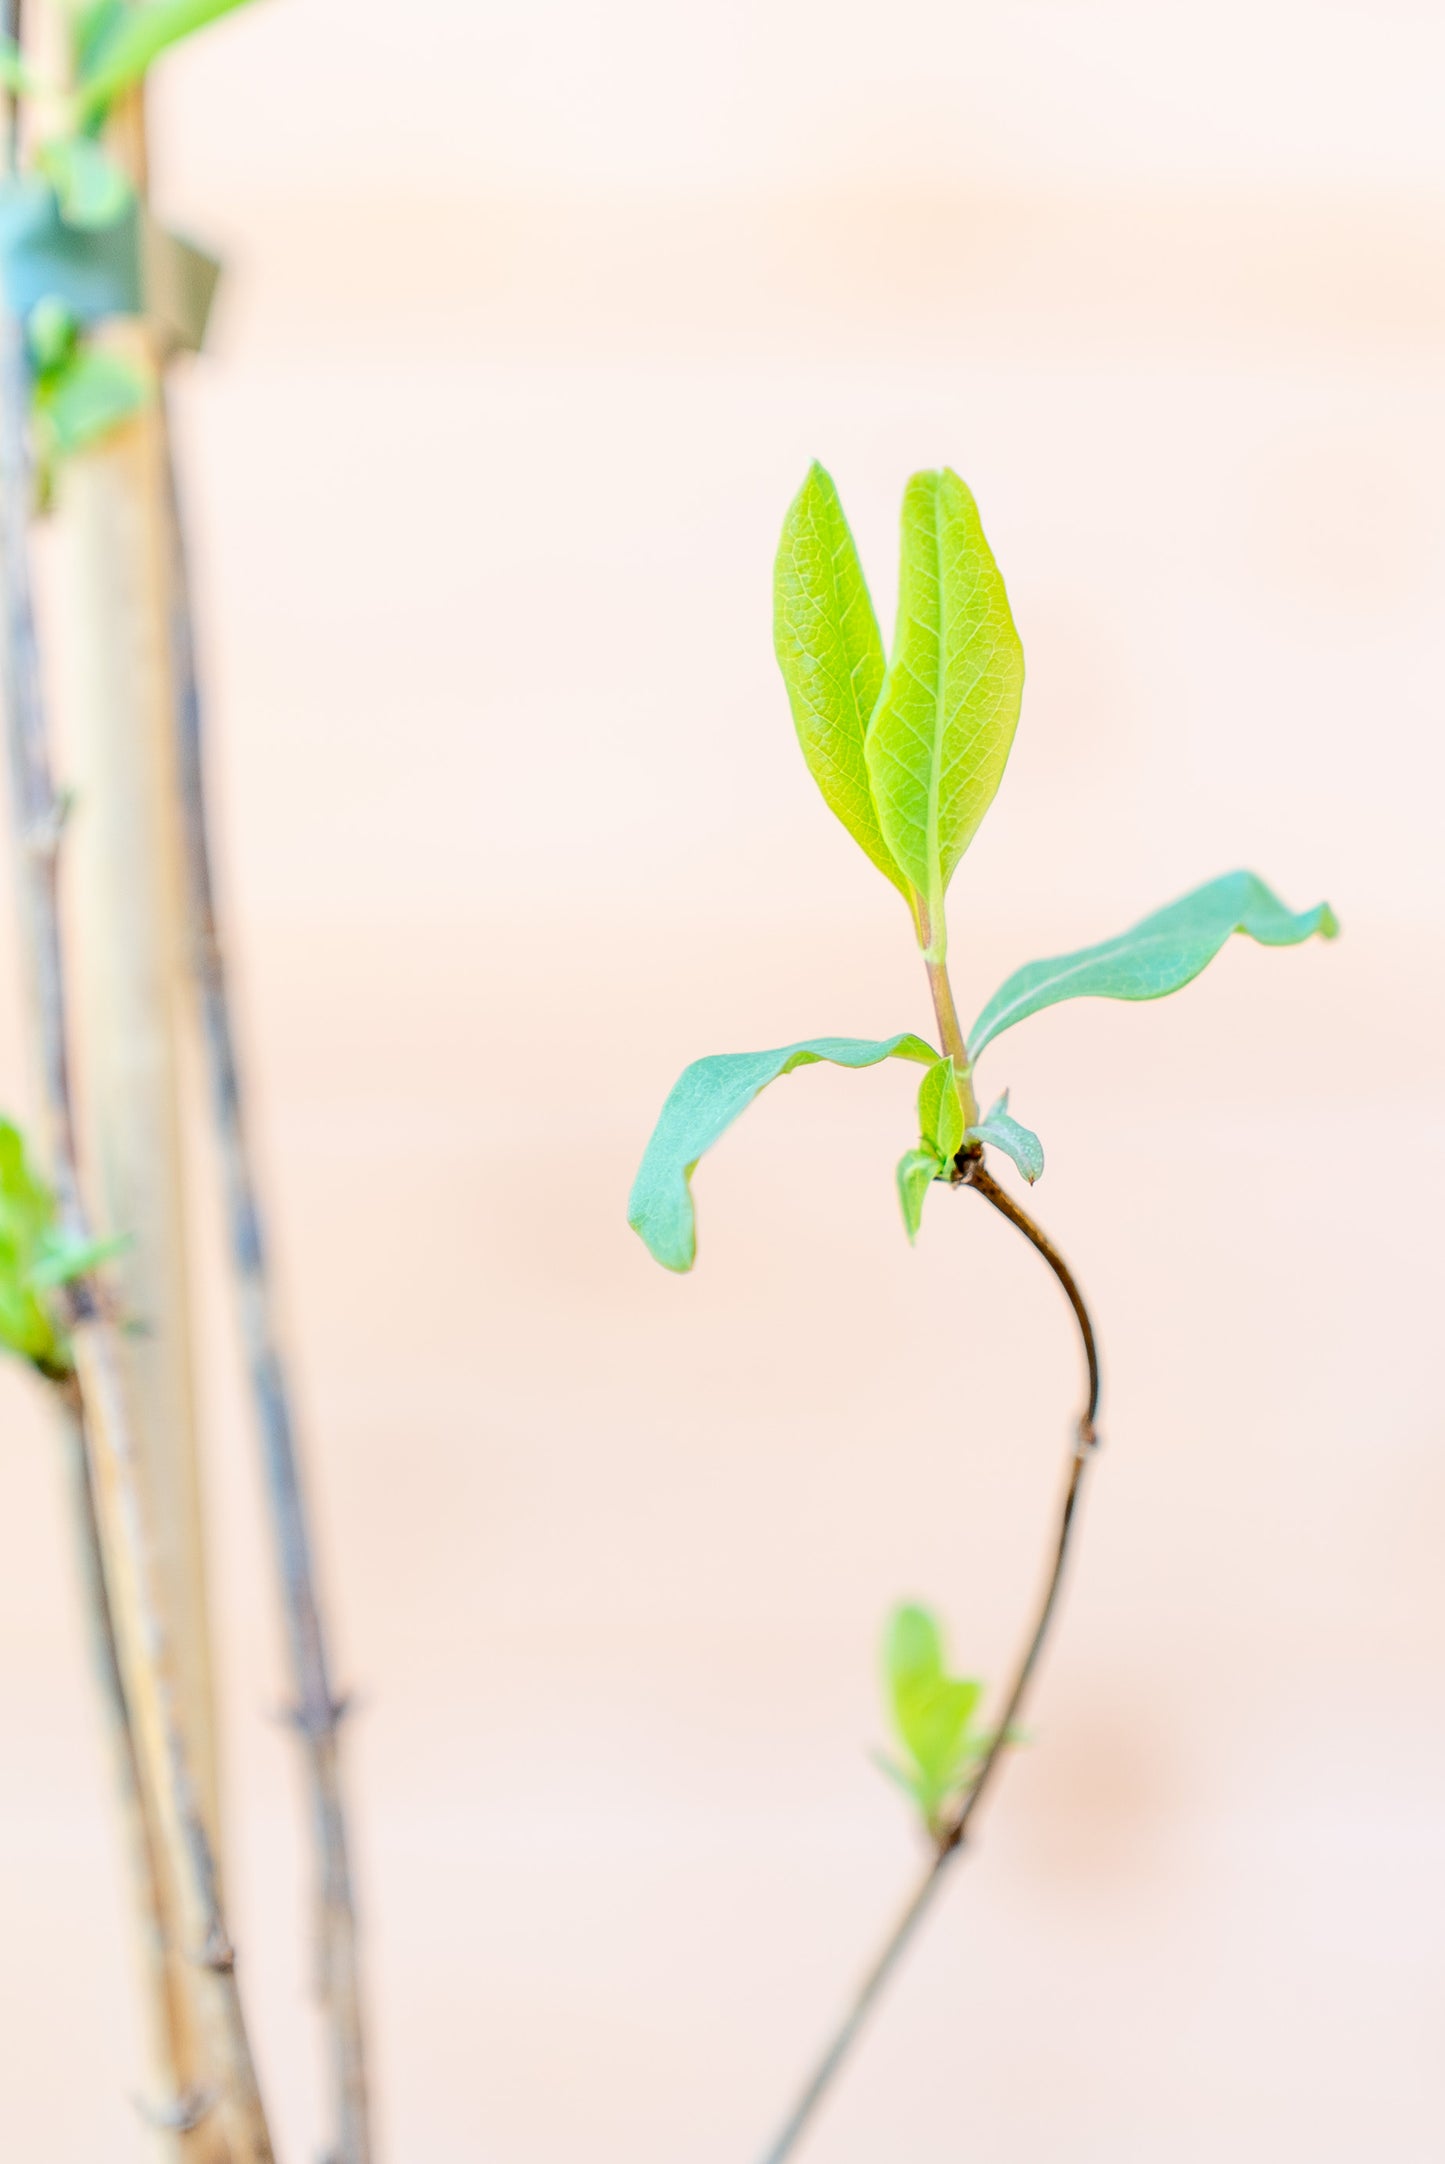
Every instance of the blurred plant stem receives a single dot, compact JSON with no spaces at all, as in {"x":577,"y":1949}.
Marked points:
{"x":317,"y":1712}
{"x":166,"y":1981}
{"x":953,"y":1833}
{"x":172,"y":2106}
{"x":144,"y":1631}
{"x":110,"y":616}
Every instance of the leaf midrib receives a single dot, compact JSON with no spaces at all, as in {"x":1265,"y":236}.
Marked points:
{"x":935,"y":765}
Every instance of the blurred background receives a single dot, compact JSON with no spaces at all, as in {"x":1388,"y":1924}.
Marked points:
{"x":535,"y":317}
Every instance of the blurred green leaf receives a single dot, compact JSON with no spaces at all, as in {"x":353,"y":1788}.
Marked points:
{"x":703,"y":1103}
{"x":1156,"y":956}
{"x":123,"y":43}
{"x":999,"y":1127}
{"x":831,"y":655}
{"x":932,"y":1711}
{"x":90,"y":187}
{"x":87,"y":396}
{"x":51,"y":331}
{"x":31,"y":1245}
{"x":91,"y":22}
{"x":940,"y":736}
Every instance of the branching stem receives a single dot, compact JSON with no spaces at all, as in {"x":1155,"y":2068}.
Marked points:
{"x":953,"y":1834}
{"x":318,"y":1711}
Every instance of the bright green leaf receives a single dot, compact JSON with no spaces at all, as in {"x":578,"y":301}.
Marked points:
{"x":831,"y":655}
{"x":1157,"y":955}
{"x":89,"y":395}
{"x":704,"y":1101}
{"x":90,"y":187}
{"x":917,"y":1171}
{"x":127,"y":41}
{"x":999,"y":1127}
{"x":941,"y":1121}
{"x":940,"y":737}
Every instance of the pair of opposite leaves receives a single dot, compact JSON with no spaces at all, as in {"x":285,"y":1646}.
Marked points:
{"x":909,"y":757}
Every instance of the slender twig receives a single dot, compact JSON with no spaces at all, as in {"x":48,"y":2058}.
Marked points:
{"x":131,"y":1572}
{"x":953,"y":1833}
{"x":318,"y":1711}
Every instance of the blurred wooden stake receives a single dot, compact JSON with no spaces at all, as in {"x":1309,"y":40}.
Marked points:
{"x":111,"y":627}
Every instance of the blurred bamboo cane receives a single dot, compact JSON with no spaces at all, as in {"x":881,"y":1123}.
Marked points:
{"x":121,"y":1494}
{"x":111,"y":632}
{"x":174,"y":2100}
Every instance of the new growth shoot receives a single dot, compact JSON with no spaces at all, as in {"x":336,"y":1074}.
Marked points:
{"x":908,"y":752}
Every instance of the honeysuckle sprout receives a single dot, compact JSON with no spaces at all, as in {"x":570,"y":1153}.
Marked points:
{"x":908,"y":751}
{"x":909,"y":754}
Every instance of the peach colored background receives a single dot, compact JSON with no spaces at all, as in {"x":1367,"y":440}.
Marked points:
{"x":536,"y":316}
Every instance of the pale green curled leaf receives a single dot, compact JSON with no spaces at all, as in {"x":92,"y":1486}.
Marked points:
{"x":940,"y":737}
{"x":704,"y":1101}
{"x":127,"y":40}
{"x":86,"y":397}
{"x":941,"y":1121}
{"x":932,"y":1711}
{"x":831,"y":655}
{"x":1158,"y":955}
{"x":90,"y":187}
{"x":999,"y":1127}
{"x":917,"y":1171}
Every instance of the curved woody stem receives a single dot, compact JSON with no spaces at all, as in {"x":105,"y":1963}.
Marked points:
{"x":953,"y":1835}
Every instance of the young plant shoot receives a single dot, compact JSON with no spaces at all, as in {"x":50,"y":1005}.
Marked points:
{"x":908,"y":752}
{"x":909,"y":756}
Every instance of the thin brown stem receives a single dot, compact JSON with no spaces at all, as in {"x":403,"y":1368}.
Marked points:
{"x":148,"y":1656}
{"x":318,"y":1710}
{"x":953,"y":1834}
